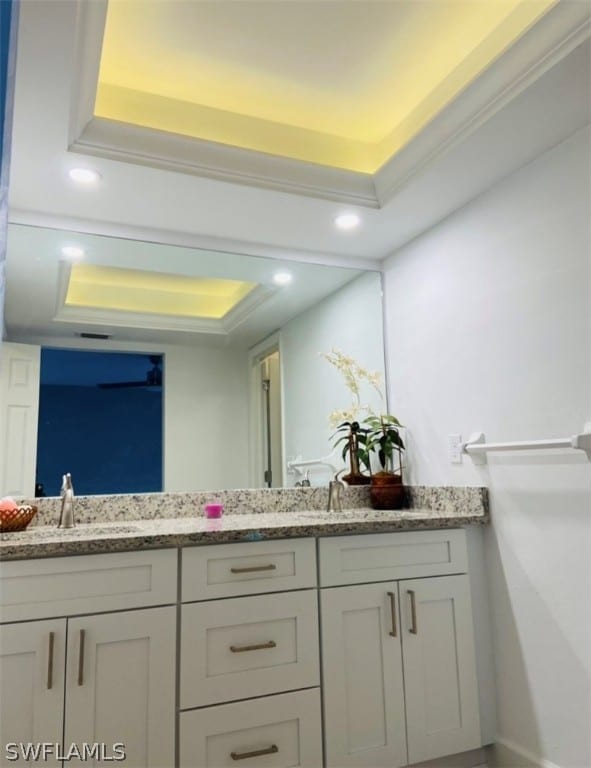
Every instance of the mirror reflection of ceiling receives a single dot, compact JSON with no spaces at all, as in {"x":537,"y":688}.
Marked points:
{"x":136,"y":290}
{"x":141,"y":291}
{"x":345,"y":85}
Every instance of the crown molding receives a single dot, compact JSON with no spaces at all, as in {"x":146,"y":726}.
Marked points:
{"x":182,"y":154}
{"x":89,"y":26}
{"x":558,"y":33}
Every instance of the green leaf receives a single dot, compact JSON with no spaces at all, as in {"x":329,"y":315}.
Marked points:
{"x":388,"y":419}
{"x":340,"y":440}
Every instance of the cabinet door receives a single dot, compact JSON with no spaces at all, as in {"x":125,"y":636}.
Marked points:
{"x":120,"y":684}
{"x":439,"y":667}
{"x":32,"y":658}
{"x":362,"y":674}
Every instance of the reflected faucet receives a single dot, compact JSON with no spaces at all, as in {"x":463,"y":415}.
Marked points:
{"x":67,"y":508}
{"x":305,"y":483}
{"x":334,"y":495}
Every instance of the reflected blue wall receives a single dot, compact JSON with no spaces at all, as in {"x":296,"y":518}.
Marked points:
{"x":109,"y":439}
{"x":5,"y":18}
{"x":8,"y":14}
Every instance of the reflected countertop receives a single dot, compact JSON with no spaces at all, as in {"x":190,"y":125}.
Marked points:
{"x":129,"y":535}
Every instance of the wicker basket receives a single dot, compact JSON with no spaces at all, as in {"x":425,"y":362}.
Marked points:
{"x":16,"y":519}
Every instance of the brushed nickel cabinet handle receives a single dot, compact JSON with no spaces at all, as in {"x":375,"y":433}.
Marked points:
{"x":50,"y":661}
{"x":257,"y":753}
{"x":81,"y":658}
{"x":392,"y":597}
{"x":253,"y":568}
{"x":413,"y":613}
{"x":257,"y":647}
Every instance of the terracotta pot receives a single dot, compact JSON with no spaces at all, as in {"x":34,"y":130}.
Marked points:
{"x":387,"y":491}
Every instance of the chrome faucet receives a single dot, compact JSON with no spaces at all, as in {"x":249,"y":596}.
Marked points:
{"x":67,"y":508}
{"x":334,"y":495}
{"x":305,"y":483}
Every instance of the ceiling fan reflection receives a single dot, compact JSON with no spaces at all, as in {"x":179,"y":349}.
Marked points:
{"x":153,"y":377}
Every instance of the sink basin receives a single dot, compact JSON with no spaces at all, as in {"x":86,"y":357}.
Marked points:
{"x":98,"y":529}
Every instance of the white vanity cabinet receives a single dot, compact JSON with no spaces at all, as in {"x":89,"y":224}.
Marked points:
{"x":382,"y":628}
{"x":107,"y":677}
{"x":399,"y":674}
{"x":262,"y":642}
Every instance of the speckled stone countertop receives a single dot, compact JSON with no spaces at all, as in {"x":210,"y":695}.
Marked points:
{"x":128,"y":535}
{"x":157,"y":506}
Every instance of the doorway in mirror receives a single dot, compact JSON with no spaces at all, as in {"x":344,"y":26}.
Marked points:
{"x":271,"y":415}
{"x":100,"y":418}
{"x":267,"y":416}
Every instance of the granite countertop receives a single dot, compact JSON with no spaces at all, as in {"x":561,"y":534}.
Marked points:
{"x":128,"y":535}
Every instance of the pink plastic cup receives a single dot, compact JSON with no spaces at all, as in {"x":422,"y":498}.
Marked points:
{"x":213,"y":510}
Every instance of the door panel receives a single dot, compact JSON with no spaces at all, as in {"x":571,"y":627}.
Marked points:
{"x":363,"y":686}
{"x":32,"y":658}
{"x":120,"y":684}
{"x":439,"y":667}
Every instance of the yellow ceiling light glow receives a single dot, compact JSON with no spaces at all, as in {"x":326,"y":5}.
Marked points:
{"x":130,"y":290}
{"x":373,"y":74}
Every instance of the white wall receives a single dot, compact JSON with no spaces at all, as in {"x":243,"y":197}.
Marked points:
{"x":205,"y":419}
{"x":349,"y":320}
{"x":489,"y":328}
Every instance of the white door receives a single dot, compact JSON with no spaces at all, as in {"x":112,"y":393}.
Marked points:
{"x":32,"y":658}
{"x":439,"y":667}
{"x":120,"y":684}
{"x":362,"y":675}
{"x":19,"y":413}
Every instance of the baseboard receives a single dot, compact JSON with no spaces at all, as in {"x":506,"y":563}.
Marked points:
{"x":506,"y":754}
{"x":471,"y":759}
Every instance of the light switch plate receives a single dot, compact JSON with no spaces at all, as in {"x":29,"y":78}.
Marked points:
{"x":454,"y":443}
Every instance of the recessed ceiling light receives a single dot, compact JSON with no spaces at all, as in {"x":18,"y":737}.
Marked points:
{"x":282,"y":278}
{"x":73,"y":251}
{"x":84,"y":175}
{"x":347,"y":221}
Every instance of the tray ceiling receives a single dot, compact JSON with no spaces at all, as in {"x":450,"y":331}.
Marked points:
{"x":173,"y":189}
{"x":344,"y":85}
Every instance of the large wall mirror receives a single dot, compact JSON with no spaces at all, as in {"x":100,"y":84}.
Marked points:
{"x":210,"y":373}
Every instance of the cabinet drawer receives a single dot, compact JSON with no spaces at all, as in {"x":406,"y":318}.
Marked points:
{"x":388,"y":556}
{"x":65,"y":586}
{"x":247,"y":568}
{"x":276,"y":731}
{"x":250,"y":646}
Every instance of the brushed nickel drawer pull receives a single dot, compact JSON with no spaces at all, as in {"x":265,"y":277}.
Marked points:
{"x":257,"y":753}
{"x":253,"y":568}
{"x":81,"y":658}
{"x":413,"y":613}
{"x":392,"y":597}
{"x":50,"y":661}
{"x":257,"y":647}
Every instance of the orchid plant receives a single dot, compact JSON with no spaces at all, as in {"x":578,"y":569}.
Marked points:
{"x":359,"y":429}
